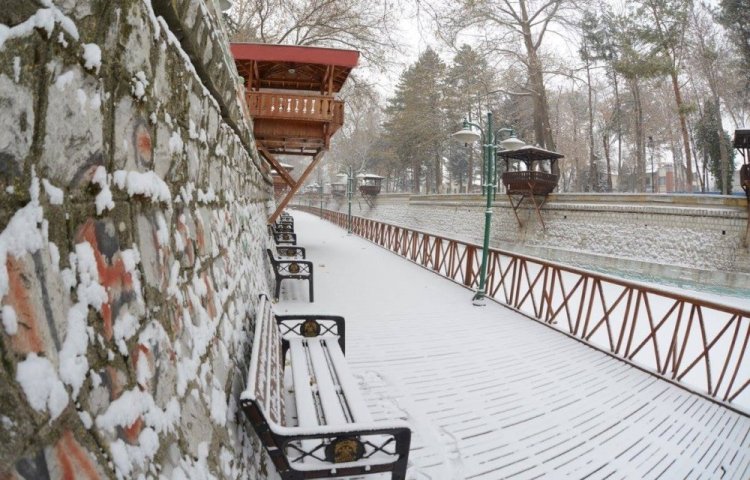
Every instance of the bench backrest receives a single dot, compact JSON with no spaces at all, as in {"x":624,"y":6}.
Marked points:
{"x":265,"y":375}
{"x":283,"y":227}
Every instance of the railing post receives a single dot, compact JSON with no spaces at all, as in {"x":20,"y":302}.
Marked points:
{"x":470,"y":253}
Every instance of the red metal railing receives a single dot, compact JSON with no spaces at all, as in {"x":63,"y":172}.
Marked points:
{"x":699,"y":344}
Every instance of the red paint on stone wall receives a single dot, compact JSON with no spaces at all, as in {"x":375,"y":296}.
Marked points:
{"x":74,"y":461}
{"x":112,"y":275}
{"x":143,"y":145}
{"x":29,"y":338}
{"x":188,"y":242}
{"x":131,"y":432}
{"x":143,"y":354}
{"x":210,"y":303}
{"x":200,"y":235}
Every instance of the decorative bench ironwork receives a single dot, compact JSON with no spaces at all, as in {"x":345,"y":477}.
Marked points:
{"x":283,"y":227}
{"x":286,"y":219}
{"x":320,"y":426}
{"x":282,"y":238}
{"x":284,"y":269}
{"x":288,"y":252}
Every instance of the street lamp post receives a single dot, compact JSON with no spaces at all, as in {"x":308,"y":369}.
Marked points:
{"x":651,"y":147}
{"x":320,"y":191}
{"x":349,"y":192}
{"x":489,"y":149}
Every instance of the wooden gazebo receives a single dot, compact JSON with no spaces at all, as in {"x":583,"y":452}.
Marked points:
{"x":290,"y":92}
{"x":369,"y":184}
{"x":528,"y":175}
{"x":742,"y":144}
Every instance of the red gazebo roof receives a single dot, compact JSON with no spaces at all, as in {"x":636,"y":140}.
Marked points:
{"x":293,"y":67}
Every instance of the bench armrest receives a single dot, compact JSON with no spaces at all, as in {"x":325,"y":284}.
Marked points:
{"x":304,"y":267}
{"x":317,"y":325}
{"x":391,"y":440}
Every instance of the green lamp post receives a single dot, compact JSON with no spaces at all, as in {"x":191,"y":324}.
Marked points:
{"x":468,"y":135}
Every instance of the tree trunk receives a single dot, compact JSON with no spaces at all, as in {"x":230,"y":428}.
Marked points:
{"x":640,"y":164}
{"x":619,"y":123}
{"x":683,"y":128}
{"x":438,"y":174}
{"x":605,"y":145}
{"x":593,"y":173}
{"x":724,"y":157}
{"x":416,"y":173}
{"x":542,"y":127}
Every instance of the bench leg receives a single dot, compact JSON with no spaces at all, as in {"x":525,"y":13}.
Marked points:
{"x":399,"y":470}
{"x":311,"y":288}
{"x":278,"y":289}
{"x":403,"y":441}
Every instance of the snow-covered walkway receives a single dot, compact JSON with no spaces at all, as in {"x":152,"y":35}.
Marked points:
{"x":491,"y":394}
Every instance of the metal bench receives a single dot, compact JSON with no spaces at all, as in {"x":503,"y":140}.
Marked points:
{"x":285,"y":218}
{"x":284,"y":227}
{"x":282,"y":238}
{"x":316,"y":424}
{"x":288,"y":252}
{"x":284,"y":269}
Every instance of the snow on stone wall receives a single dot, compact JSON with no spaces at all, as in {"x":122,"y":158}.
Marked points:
{"x":704,"y":233}
{"x":131,"y":230}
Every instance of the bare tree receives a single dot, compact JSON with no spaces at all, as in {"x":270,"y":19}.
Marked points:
{"x":369,"y":27}
{"x":513,"y":30}
{"x":668,"y":24}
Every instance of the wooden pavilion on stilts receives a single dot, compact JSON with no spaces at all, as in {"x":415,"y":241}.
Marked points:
{"x":742,"y":144}
{"x":290,"y":92}
{"x":528,"y":176}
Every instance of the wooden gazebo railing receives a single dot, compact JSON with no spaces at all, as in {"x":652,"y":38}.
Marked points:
{"x":700,"y":345}
{"x":296,"y":107}
{"x":535,"y":183}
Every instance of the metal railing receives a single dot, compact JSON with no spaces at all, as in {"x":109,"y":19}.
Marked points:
{"x":286,"y":106}
{"x":698,"y":344}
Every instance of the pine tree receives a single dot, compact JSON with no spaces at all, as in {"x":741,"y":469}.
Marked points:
{"x":708,"y":142}
{"x":416,"y":126}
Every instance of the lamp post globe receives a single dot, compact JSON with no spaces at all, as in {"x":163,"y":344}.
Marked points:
{"x":466,"y":135}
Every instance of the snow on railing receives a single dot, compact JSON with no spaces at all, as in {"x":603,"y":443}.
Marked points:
{"x":699,"y":344}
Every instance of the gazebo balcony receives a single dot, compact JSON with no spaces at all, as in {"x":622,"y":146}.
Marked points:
{"x":529,"y":182}
{"x":290,"y":123}
{"x":308,"y":108}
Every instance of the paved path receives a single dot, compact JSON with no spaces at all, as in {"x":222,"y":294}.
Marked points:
{"x":492,"y":394}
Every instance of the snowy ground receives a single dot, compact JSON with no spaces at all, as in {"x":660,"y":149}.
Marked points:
{"x":491,"y":394}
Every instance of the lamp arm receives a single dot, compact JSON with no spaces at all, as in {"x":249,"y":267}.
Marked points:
{"x":508,"y":130}
{"x":476,"y":125}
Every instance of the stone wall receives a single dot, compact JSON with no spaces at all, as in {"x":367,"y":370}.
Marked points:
{"x":132,"y":212}
{"x":696,"y":238}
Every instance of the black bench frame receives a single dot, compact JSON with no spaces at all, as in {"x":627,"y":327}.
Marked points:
{"x":285,"y":269}
{"x":282,"y":238}
{"x":397,"y":438}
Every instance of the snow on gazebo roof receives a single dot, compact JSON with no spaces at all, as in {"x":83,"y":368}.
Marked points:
{"x":530,"y":153}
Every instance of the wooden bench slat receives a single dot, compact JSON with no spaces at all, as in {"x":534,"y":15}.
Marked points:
{"x":357,"y":405}
{"x":330,"y":401}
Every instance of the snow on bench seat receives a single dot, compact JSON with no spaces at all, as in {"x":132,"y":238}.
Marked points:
{"x":327,"y":429}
